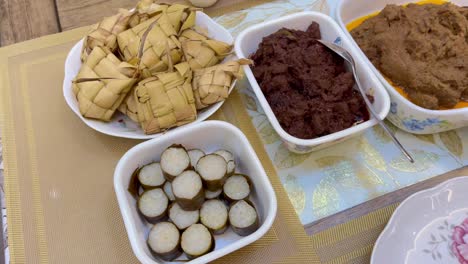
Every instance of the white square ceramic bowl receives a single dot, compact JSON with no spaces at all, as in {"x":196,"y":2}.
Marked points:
{"x":208,"y":136}
{"x":403,"y":113}
{"x":120,"y":125}
{"x":247,"y":43}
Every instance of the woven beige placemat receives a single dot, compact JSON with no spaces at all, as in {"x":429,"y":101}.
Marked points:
{"x":58,"y":172}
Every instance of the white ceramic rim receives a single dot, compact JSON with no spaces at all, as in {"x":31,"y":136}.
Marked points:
{"x":244,"y":241}
{"x":89,"y":122}
{"x":390,"y":88}
{"x":396,"y":213}
{"x":269,"y":112}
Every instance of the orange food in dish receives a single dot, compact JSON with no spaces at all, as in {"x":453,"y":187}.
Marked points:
{"x":404,"y":94}
{"x":354,"y":24}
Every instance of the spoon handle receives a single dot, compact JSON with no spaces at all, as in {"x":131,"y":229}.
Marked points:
{"x":349,"y":59}
{"x":376,"y":116}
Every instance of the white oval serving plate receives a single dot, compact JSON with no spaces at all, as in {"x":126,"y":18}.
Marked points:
{"x":429,"y":227}
{"x":120,"y":125}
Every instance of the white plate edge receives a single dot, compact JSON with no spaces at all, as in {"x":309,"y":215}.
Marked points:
{"x":395,"y":214}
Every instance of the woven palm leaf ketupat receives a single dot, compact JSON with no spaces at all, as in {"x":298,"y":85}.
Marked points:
{"x":102,"y":83}
{"x":178,"y":14}
{"x":191,"y":34}
{"x":104,"y":34}
{"x":160,"y":43}
{"x":202,"y":52}
{"x":166,"y":100}
{"x":221,"y":48}
{"x":198,"y":55}
{"x":129,"y":106}
{"x":211,"y":85}
{"x":181,"y":16}
{"x":200,"y":34}
{"x":144,"y":10}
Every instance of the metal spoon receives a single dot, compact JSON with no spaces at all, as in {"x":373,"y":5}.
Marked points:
{"x":349,"y":59}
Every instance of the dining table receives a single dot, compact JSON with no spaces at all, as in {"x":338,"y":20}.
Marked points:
{"x":23,"y":20}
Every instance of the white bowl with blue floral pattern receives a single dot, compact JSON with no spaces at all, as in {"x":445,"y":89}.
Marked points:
{"x":247,"y":44}
{"x":403,"y":113}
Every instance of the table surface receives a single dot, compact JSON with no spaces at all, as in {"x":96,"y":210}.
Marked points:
{"x":22,"y":20}
{"x":27,"y":19}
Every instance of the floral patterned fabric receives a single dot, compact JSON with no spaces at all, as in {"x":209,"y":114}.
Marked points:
{"x":337,"y":178}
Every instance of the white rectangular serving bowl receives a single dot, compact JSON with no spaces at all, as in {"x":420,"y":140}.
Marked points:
{"x":403,"y":113}
{"x":247,"y":43}
{"x":208,"y":136}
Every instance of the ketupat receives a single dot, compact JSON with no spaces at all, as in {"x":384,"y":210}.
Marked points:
{"x":129,"y":106}
{"x":144,"y":10}
{"x":160,"y":45}
{"x":219,"y":47}
{"x":181,"y":16}
{"x":211,"y":85}
{"x":166,"y":100}
{"x":198,"y":55}
{"x":202,"y":52}
{"x":191,"y":34}
{"x":102,"y":83}
{"x":104,"y":33}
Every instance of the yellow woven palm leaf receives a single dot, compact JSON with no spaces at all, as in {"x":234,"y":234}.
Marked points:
{"x":222,"y":49}
{"x":129,"y":107}
{"x":201,"y":51}
{"x":102,"y":83}
{"x":189,"y":22}
{"x":144,"y":10}
{"x":166,"y":100}
{"x":104,"y":34}
{"x":149,"y":7}
{"x":211,"y":85}
{"x":179,"y":15}
{"x":198,"y":55}
{"x":160,"y":45}
{"x":191,"y":34}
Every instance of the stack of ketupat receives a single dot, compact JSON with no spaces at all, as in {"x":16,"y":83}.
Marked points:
{"x":154,"y":65}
